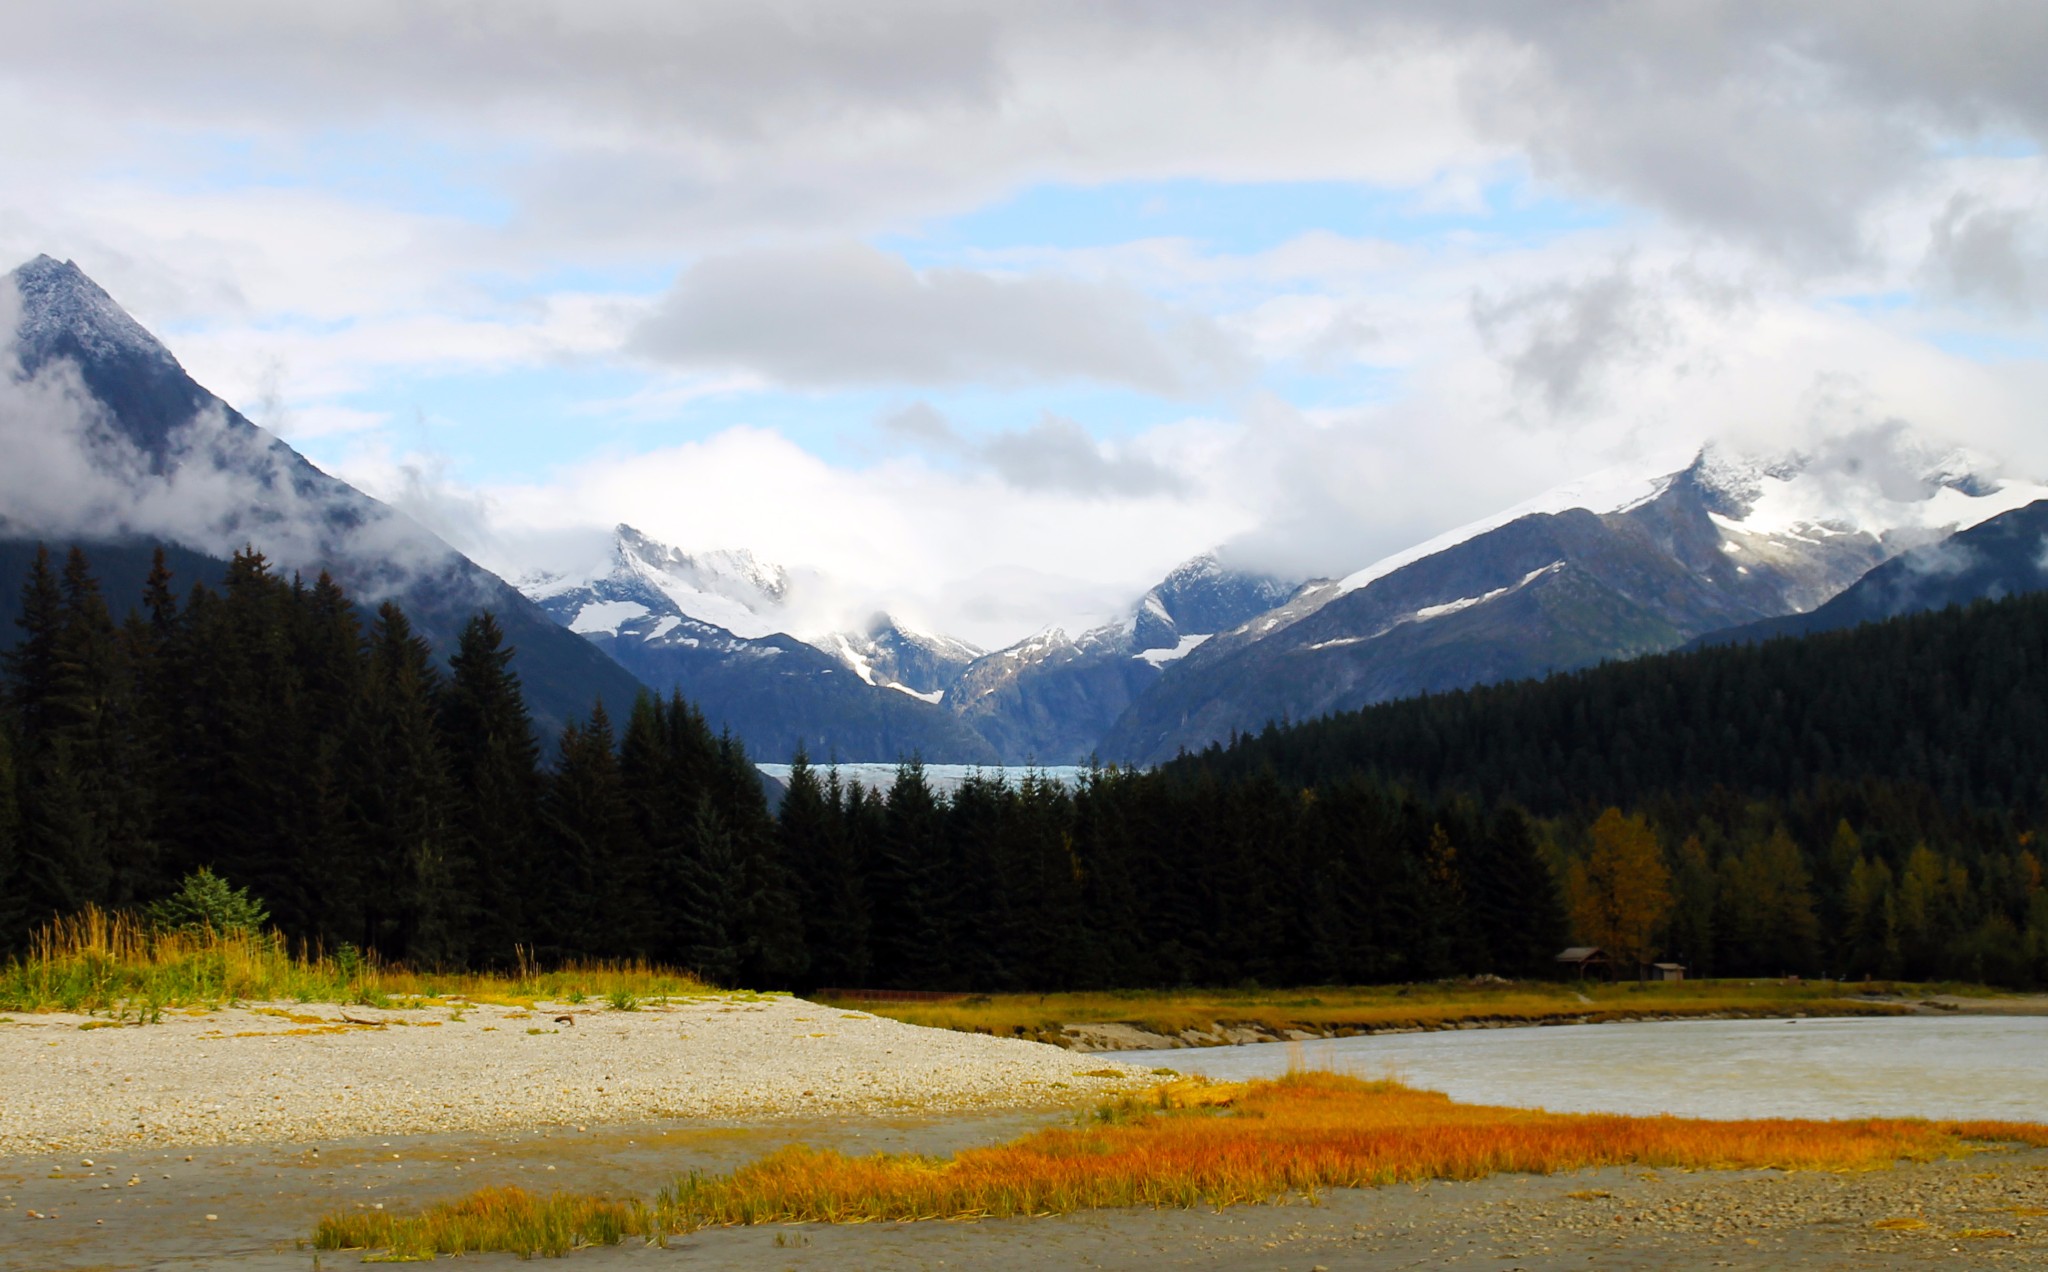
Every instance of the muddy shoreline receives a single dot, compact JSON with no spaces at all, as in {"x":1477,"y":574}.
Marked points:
{"x":1113,"y":1036}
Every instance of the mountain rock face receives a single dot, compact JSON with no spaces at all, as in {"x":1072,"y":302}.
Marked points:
{"x":150,"y":455}
{"x":891,"y":656}
{"x":708,"y":626}
{"x":2005,"y":556}
{"x":1721,"y":542}
{"x":1049,"y":699}
{"x":729,"y":632}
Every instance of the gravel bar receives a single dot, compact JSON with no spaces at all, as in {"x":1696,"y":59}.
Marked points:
{"x":295,"y":1072}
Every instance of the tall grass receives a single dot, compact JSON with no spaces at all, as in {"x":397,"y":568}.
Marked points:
{"x":502,"y":1219}
{"x":1358,"y":1009}
{"x":97,"y":961}
{"x":1192,"y":1144}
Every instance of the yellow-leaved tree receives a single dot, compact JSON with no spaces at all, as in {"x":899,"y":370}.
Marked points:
{"x":1620,"y":891}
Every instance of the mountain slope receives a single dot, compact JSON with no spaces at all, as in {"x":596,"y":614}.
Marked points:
{"x":1049,"y":699}
{"x":1952,"y":702}
{"x":2005,"y":556}
{"x":1720,"y":542}
{"x":707,"y":625}
{"x":166,"y":460}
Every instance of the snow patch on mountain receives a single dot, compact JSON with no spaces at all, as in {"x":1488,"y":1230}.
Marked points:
{"x":1428,"y":612}
{"x":606,"y":616}
{"x":1180,"y":649}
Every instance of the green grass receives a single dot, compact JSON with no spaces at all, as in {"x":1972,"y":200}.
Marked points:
{"x":114,"y":964}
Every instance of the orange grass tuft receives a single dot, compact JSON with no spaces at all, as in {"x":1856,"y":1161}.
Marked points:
{"x":1192,"y":1143}
{"x":1295,"y":1134}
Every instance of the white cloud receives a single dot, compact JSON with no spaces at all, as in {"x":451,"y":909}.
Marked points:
{"x":1053,"y":455}
{"x":851,"y":315}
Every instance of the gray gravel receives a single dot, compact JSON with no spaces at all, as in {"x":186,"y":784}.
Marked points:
{"x":291,"y":1072}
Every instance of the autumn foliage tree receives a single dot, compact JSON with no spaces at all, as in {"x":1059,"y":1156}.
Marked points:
{"x":1620,"y":891}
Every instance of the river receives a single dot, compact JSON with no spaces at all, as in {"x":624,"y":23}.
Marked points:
{"x":1936,"y":1067}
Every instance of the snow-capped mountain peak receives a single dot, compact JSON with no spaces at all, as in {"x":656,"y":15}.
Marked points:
{"x":65,"y":312}
{"x":1890,"y":485}
{"x":894,"y":655}
{"x":732,"y":590}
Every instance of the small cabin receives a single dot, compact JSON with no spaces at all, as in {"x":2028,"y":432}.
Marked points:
{"x":1667,"y":971}
{"x":1581,"y":957}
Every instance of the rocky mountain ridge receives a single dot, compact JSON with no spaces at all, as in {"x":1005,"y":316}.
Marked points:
{"x":114,"y":447}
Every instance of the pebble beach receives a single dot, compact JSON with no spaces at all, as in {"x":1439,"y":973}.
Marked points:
{"x":283,"y":1073}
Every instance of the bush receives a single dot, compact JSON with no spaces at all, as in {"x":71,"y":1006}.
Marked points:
{"x":205,"y":902}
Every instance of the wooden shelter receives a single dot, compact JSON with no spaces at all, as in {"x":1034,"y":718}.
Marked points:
{"x":1667,"y":971}
{"x":1581,"y":957}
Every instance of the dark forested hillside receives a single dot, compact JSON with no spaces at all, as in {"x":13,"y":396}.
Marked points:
{"x":1954,"y":702}
{"x":1865,"y":803}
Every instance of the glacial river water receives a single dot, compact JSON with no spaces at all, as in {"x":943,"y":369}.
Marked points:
{"x":1916,"y":1066}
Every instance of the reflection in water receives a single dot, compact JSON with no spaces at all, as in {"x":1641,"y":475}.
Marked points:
{"x":1978,"y":1067}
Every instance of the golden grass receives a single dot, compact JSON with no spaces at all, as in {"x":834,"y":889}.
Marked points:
{"x":506,"y":1219}
{"x":96,"y":961}
{"x":1193,"y":1143}
{"x":1342,"y":1010}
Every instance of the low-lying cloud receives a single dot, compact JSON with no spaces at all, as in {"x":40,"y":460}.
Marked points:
{"x":220,"y":485}
{"x":1055,"y":455}
{"x":1558,"y":339}
{"x":1993,"y":255}
{"x":833,"y":316}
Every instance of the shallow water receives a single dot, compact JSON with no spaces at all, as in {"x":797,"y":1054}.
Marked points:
{"x":1972,"y":1067}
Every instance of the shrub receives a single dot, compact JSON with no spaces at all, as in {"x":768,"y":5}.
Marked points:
{"x":205,"y":902}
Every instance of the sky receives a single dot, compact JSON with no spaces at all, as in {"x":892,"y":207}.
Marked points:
{"x":994,"y":313}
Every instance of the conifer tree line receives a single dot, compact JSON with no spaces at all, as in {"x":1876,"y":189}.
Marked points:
{"x":1861,"y":802}
{"x":320,"y":758}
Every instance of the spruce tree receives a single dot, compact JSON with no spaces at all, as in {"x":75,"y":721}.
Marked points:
{"x":99,"y":719}
{"x":588,"y":827}
{"x":494,"y":762}
{"x":401,"y":795}
{"x":833,"y":903}
{"x":772,"y":950}
{"x":912,"y":889}
{"x":333,"y":856}
{"x":31,"y":664}
{"x":704,"y":883}
{"x":1514,"y":911}
{"x":13,"y":900}
{"x":237,"y":798}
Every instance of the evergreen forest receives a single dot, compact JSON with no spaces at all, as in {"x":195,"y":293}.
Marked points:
{"x":1863,"y":803}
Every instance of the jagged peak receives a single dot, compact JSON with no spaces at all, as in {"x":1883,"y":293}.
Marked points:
{"x":59,"y":303}
{"x":716,"y":569}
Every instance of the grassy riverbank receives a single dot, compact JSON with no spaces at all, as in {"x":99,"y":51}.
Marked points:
{"x":113,"y":964}
{"x":1214,"y":1016}
{"x":1187,"y":1144}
